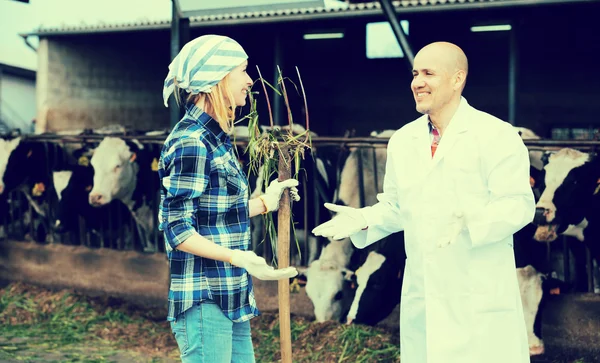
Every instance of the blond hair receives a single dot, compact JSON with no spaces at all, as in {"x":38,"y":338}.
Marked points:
{"x":219,"y":103}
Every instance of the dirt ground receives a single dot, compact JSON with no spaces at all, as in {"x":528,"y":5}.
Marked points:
{"x":571,"y":329}
{"x":120,"y":332}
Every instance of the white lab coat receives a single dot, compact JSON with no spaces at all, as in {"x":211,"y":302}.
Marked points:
{"x":461,"y":303}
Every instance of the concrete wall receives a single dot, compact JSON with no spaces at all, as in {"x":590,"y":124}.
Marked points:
{"x":130,"y":275}
{"x":102,"y":79}
{"x":136,"y":277}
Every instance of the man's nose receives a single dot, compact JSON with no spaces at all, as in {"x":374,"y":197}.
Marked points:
{"x":418,"y":82}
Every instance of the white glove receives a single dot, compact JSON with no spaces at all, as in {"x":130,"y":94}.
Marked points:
{"x":257,"y":266}
{"x":346,"y":222}
{"x":456,"y":227}
{"x":275,"y":190}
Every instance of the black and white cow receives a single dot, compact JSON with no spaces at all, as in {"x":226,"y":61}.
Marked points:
{"x":27,"y":163}
{"x":570,"y":204}
{"x":377,"y":283}
{"x":6,"y":149}
{"x":26,"y":167}
{"x":109,"y":226}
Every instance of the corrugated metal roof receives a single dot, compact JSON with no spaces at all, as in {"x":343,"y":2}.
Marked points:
{"x":296,"y":14}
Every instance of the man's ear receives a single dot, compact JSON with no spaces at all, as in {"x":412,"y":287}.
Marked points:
{"x":460,"y":77}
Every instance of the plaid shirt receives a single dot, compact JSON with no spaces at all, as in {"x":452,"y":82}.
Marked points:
{"x":203,"y":189}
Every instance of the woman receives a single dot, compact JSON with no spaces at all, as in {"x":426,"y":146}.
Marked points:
{"x":205,"y":211}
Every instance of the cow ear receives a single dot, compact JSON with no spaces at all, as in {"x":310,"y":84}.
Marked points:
{"x":132,"y":157}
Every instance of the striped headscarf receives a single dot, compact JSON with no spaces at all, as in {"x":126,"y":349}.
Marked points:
{"x":202,"y":63}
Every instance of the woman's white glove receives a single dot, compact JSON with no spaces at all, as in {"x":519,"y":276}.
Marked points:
{"x":257,"y":266}
{"x":275,"y":190}
{"x":346,"y":222}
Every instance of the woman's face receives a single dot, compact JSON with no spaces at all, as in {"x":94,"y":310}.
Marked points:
{"x":239,"y":82}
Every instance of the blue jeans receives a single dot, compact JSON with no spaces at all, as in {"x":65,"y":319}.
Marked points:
{"x":205,"y":335}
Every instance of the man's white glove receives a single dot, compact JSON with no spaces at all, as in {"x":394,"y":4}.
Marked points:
{"x":456,"y":227}
{"x":346,"y":222}
{"x":257,"y":266}
{"x":275,"y":190}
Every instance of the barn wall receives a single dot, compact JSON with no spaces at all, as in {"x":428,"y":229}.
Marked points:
{"x":136,"y":277}
{"x":556,"y":48}
{"x":94,"y":79}
{"x":132,"y":275}
{"x":102,"y":79}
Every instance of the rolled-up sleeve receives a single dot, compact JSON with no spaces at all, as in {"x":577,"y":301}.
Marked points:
{"x":186,"y":175}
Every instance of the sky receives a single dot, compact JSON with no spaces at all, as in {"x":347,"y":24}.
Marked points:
{"x":17,"y":17}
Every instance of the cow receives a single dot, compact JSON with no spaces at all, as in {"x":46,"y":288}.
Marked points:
{"x":6,"y":149}
{"x":569,"y":205}
{"x":26,"y":167}
{"x":126,"y":172}
{"x":380,"y":275}
{"x":28,"y":163}
{"x":112,"y":225}
{"x":531,"y":291}
{"x":325,"y":280}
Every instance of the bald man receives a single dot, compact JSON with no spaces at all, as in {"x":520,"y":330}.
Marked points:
{"x":457,"y":184}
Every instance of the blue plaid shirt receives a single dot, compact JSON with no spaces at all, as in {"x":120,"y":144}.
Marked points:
{"x":203,"y":189}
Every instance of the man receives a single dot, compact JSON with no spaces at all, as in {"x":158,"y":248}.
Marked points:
{"x":457,"y":183}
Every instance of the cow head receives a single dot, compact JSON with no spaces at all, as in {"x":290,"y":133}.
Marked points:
{"x":324,"y":287}
{"x":6,"y":149}
{"x":325,"y":280}
{"x":115,"y":172}
{"x":564,"y":175}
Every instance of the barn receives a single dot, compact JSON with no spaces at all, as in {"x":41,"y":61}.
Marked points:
{"x":103,"y":81}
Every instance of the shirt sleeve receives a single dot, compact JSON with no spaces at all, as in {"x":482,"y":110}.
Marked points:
{"x":186,"y":177}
